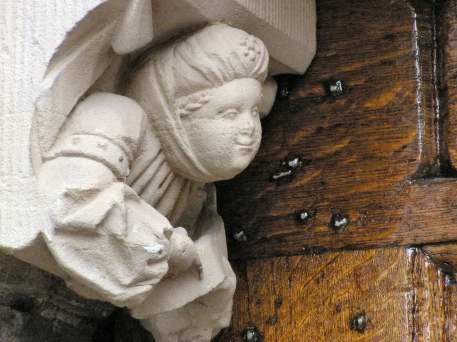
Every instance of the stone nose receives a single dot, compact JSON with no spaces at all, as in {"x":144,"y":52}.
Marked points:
{"x":248,"y":127}
{"x":247,"y":131}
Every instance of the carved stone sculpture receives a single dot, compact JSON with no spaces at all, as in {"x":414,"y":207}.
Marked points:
{"x":125,"y":151}
{"x":128,"y":171}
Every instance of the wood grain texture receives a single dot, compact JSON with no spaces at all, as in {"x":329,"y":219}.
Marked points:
{"x":451,"y":308}
{"x":382,"y":156}
{"x":445,"y":255}
{"x":447,"y":35}
{"x":428,"y":300}
{"x":376,"y":154}
{"x":403,"y":295}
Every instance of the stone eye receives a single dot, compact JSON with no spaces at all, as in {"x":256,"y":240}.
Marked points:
{"x":230,"y":113}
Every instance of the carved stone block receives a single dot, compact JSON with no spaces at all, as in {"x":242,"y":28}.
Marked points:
{"x":119,"y":116}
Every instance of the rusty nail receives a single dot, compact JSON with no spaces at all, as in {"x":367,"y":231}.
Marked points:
{"x":338,"y":222}
{"x":450,"y":279}
{"x":240,"y":236}
{"x":284,"y":92}
{"x":336,"y":88}
{"x":304,"y":216}
{"x":288,"y":168}
{"x":293,"y":163}
{"x":251,"y":334}
{"x":358,"y":322}
{"x":281,"y":174}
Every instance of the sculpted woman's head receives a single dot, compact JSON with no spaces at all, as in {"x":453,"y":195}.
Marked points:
{"x":212,"y":84}
{"x":226,"y":131}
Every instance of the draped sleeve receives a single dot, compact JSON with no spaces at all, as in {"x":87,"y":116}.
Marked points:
{"x":105,"y":236}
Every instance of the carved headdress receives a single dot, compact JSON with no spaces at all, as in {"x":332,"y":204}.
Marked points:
{"x":173,"y":80}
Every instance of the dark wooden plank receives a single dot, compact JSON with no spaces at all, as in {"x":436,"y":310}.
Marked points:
{"x":428,"y":299}
{"x":447,"y":34}
{"x":374,"y":154}
{"x":451,"y":307}
{"x":444,"y":255}
{"x":399,"y":292}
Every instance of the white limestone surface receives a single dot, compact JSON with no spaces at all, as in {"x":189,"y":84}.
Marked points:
{"x":30,"y":33}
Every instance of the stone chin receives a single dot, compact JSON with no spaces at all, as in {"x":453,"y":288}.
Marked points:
{"x":243,"y":156}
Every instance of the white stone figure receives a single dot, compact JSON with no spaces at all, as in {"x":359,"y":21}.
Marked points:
{"x":128,"y":171}
{"x":55,"y":52}
{"x":122,"y":169}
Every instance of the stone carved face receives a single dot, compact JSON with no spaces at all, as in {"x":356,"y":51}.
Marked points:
{"x":192,"y":89}
{"x":225,"y":132}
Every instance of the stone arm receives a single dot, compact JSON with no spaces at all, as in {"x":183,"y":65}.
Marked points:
{"x":105,"y":237}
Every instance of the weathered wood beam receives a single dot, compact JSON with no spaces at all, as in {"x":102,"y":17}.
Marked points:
{"x":391,"y":294}
{"x":372,"y":124}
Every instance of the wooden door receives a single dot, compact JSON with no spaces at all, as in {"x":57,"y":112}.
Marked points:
{"x":343,"y":227}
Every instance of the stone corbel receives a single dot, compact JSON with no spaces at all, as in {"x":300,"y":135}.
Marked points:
{"x":130,"y":111}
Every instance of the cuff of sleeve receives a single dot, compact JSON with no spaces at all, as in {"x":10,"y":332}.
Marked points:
{"x":96,"y":147}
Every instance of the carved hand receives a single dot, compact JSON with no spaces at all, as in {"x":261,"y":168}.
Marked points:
{"x":183,"y":253}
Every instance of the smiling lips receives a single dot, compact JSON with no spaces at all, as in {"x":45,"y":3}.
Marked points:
{"x":245,"y":142}
{"x":245,"y":145}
